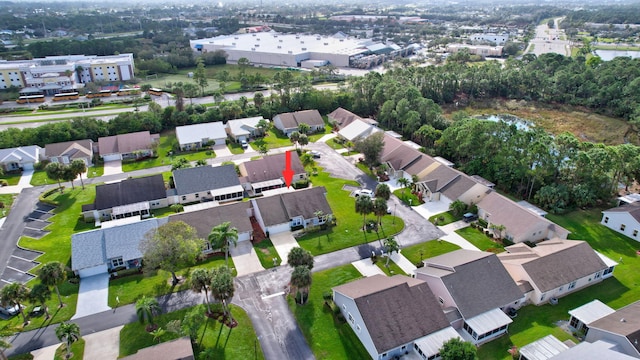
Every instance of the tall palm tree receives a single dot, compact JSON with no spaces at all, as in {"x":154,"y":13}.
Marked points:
{"x":78,"y":166}
{"x":146,"y":309}
{"x":380,"y":208}
{"x":392,"y":245}
{"x":200,"y":281}
{"x":69,"y":333}
{"x":39,"y":295}
{"x":14,"y":295}
{"x":222,"y":288}
{"x":53,"y":274}
{"x":364,"y":206}
{"x":383,"y":191}
{"x":404,"y":182}
{"x":223,"y":236}
{"x":301,"y":281}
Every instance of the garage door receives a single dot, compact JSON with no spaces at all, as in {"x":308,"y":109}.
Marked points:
{"x":100,"y":269}
{"x":112,"y":157}
{"x":221,"y":141}
{"x":276,"y":229}
{"x":244,"y":236}
{"x":27,"y":166}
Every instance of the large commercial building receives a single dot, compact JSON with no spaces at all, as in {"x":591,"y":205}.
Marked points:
{"x":53,"y":74}
{"x":291,"y":50}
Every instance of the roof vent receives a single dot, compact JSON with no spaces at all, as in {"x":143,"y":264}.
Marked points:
{"x":623,"y":320}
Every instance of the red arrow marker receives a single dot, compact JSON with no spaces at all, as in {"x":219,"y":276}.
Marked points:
{"x":287,"y":173}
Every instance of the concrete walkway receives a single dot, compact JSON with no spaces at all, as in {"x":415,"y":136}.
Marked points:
{"x":45,"y":353}
{"x":24,"y":182}
{"x":367,"y":268}
{"x":403,"y":263}
{"x":283,"y":242}
{"x":93,"y":295}
{"x":452,"y":237}
{"x":327,"y":137}
{"x":104,"y":345}
{"x":245,"y":258}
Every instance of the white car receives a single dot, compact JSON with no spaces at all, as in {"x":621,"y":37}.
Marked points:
{"x":364,"y":192}
{"x":10,"y":310}
{"x":244,"y":144}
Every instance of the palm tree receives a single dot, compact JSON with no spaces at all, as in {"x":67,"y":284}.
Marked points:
{"x":392,"y":245}
{"x":222,"y":236}
{"x":78,"y":166}
{"x":69,"y":333}
{"x":14,"y":295}
{"x":404,"y":182}
{"x":301,"y":281}
{"x":304,"y":128}
{"x":146,"y":309}
{"x":40,"y":294}
{"x":300,"y":257}
{"x":380,"y":208}
{"x":53,"y":274}
{"x":55,"y":171}
{"x":364,"y":206}
{"x":222,"y":288}
{"x":383,"y":191}
{"x":200,"y":281}
{"x":294,"y":137}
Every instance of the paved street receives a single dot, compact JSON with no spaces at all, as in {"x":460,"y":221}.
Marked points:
{"x":549,"y":40}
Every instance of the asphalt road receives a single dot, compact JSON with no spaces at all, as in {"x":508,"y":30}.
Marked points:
{"x":549,"y":40}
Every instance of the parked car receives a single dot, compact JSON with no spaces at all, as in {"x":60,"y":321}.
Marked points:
{"x":315,"y":154}
{"x":469,"y":217}
{"x":244,"y":144}
{"x":364,"y":192}
{"x":10,"y":310}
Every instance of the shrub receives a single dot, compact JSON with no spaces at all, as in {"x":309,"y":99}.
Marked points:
{"x":483,"y":223}
{"x":41,"y":165}
{"x":177,"y":208}
{"x":301,"y":184}
{"x":3,"y":182}
{"x":297,"y":227}
{"x":327,"y":295}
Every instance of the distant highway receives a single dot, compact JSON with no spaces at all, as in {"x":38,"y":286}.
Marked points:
{"x":549,"y":40}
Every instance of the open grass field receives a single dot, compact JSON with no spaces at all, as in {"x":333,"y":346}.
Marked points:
{"x":328,"y":338}
{"x":40,"y":178}
{"x":227,"y":343}
{"x":273,"y":139}
{"x":348,"y":231}
{"x":392,"y":269}
{"x":95,"y":171}
{"x":480,"y":240}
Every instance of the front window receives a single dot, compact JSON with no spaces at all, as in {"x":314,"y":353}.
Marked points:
{"x":117,"y":262}
{"x":622,"y":227}
{"x":572,"y":285}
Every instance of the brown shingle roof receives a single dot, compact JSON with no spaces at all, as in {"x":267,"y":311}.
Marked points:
{"x":555,"y":262}
{"x":125,"y":143}
{"x":293,"y":119}
{"x":343,"y":117}
{"x":204,"y":220}
{"x":625,"y":321}
{"x":272,"y":210}
{"x":279,"y":209}
{"x":395,"y":310}
{"x":72,"y":149}
{"x":269,"y":167}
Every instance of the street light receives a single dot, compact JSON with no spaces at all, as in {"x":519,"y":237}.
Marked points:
{"x":255,"y":347}
{"x":395,"y":205}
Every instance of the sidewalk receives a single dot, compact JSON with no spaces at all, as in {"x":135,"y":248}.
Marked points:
{"x":25,"y":182}
{"x":452,"y":237}
{"x":403,"y":263}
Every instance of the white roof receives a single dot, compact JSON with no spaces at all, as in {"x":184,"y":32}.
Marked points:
{"x":630,"y":198}
{"x":190,"y":134}
{"x":432,"y":343}
{"x":129,"y":208}
{"x":227,"y":190}
{"x":543,"y":349}
{"x":357,"y":129}
{"x":267,"y":183}
{"x":591,"y":311}
{"x":239,"y":127}
{"x":21,"y":154}
{"x":607,"y":261}
{"x":488,"y":321}
{"x":534,"y":209}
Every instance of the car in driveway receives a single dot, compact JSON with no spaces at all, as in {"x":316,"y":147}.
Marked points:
{"x":364,"y":192}
{"x":469,"y":217}
{"x":244,"y":144}
{"x":315,"y":154}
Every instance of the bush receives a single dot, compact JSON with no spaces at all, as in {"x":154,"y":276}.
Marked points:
{"x":301,"y":184}
{"x":483,"y":223}
{"x":327,"y":295}
{"x":46,"y":194}
{"x":3,"y":182}
{"x":177,"y":208}
{"x":297,"y":227}
{"x":41,"y":165}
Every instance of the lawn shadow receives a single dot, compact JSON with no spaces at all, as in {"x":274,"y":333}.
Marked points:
{"x":366,"y":250}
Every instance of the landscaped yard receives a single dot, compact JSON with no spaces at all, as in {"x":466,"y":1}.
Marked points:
{"x":425,"y":250}
{"x":235,"y":343}
{"x":95,"y":170}
{"x":348,"y":231}
{"x":235,"y":148}
{"x":334,"y":144}
{"x":328,"y":338}
{"x":273,"y":139}
{"x":40,"y":178}
{"x":266,"y":253}
{"x":405,"y":195}
{"x":443,"y":219}
{"x":77,"y":349}
{"x":393,"y":268}
{"x":12,"y":179}
{"x":480,"y":240}
{"x":7,"y":201}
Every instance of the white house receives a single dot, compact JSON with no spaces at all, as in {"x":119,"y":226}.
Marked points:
{"x":21,"y":158}
{"x":357,"y":130}
{"x":624,"y":219}
{"x":196,"y":136}
{"x":244,"y":129}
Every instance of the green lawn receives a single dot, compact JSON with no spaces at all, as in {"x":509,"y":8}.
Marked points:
{"x":274,"y":139}
{"x":95,"y":170}
{"x":12,"y":179}
{"x":7,"y":202}
{"x":328,"y":338}
{"x":406,"y":196}
{"x":348,"y":231}
{"x":155,"y":282}
{"x":393,"y":268}
{"x":266,"y":253}
{"x":480,"y":240}
{"x":40,"y":178}
{"x":166,"y":145}
{"x":327,"y":130}
{"x":77,"y":351}
{"x":236,"y":343}
{"x":443,"y":218}
{"x":425,"y":250}
{"x":334,"y":144}
{"x":235,"y":148}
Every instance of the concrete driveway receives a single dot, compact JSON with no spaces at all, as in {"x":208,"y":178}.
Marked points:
{"x":284,"y":242}
{"x":45,"y":353}
{"x":222,"y":150}
{"x":24,"y":182}
{"x":93,"y":295}
{"x":103,"y":344}
{"x":452,"y":237}
{"x":431,"y":208}
{"x":367,"y":268}
{"x":245,"y":258}
{"x":112,"y":167}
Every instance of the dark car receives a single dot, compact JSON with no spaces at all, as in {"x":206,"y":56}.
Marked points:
{"x":469,"y":217}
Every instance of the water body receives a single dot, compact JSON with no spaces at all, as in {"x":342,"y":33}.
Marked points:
{"x":521,"y":124}
{"x":607,"y":55}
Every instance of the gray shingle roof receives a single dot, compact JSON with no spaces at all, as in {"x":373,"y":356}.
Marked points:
{"x":272,"y":210}
{"x":477,"y":281}
{"x":129,"y":191}
{"x":397,"y":310}
{"x":280,"y":208}
{"x":204,"y":178}
{"x":630,"y":327}
{"x":72,"y":149}
{"x":125,"y":143}
{"x":270,"y":167}
{"x":633,"y":209}
{"x":204,"y":220}
{"x":96,"y":247}
{"x":294,"y":119}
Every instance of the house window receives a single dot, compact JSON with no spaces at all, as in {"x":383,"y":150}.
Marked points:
{"x":197,"y":195}
{"x":384,"y":355}
{"x":296,"y":222}
{"x":561,"y":287}
{"x":607,"y":271}
{"x":606,"y":220}
{"x":358,"y":327}
{"x":622,"y":227}
{"x":441,"y":300}
{"x":572,"y":285}
{"x":597,"y":275}
{"x":184,"y":198}
{"x":116,"y":262}
{"x":635,"y":232}
{"x":542,"y":297}
{"x":344,"y":307}
{"x":351,"y":319}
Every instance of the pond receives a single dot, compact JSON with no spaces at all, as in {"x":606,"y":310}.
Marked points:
{"x":521,"y":124}
{"x":607,"y":55}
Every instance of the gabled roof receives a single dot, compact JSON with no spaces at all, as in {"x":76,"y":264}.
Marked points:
{"x":294,"y":119}
{"x":96,"y":247}
{"x":396,"y":310}
{"x":343,"y":117}
{"x":553,"y":263}
{"x":72,"y":149}
{"x":476,"y":280}
{"x":190,"y":134}
{"x":281,"y":208}
{"x":517,"y":219}
{"x":244,"y":126}
{"x":204,"y":220}
{"x":126,"y":143}
{"x":632,"y":209}
{"x":204,"y":178}
{"x":357,"y":129}
{"x":269,"y":167}
{"x":21,"y":154}
{"x":129,"y":191}
{"x":625,"y":321}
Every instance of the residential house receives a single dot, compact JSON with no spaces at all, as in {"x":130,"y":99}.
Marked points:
{"x":244,"y":129}
{"x":266,"y":173}
{"x":474,"y":290}
{"x":238,"y":214}
{"x":127,"y":146}
{"x":357,"y":130}
{"x":292,"y":210}
{"x":555,"y":268}
{"x":126,"y":198}
{"x":542,"y":349}
{"x":289,"y":122}
{"x":520,"y":223}
{"x":67,"y":152}
{"x":97,"y":251}
{"x":341,"y":118}
{"x":21,"y":158}
{"x":439,"y":182}
{"x":624,"y":219}
{"x":178,"y":349}
{"x":584,"y":315}
{"x":621,"y":328}
{"x":191,"y":137}
{"x":550,"y":348}
{"x":206,"y":183}
{"x":393,"y":316}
